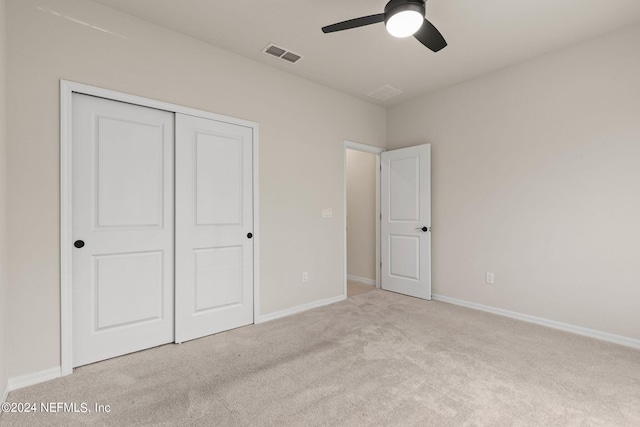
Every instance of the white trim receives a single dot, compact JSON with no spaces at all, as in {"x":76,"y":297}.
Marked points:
{"x":27,"y":380}
{"x":300,"y":308}
{"x":362,"y":280}
{"x":256,"y":224}
{"x":378,"y":265}
{"x":350,"y":145}
{"x":67,"y":89}
{"x":363,"y":147}
{"x":66,"y":225}
{"x":579,"y":330}
{"x":5,"y":394}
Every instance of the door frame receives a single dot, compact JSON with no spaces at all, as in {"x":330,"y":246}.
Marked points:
{"x":67,"y":89}
{"x":350,"y":145}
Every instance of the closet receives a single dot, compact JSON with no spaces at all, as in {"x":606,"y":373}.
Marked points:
{"x":162,"y":222}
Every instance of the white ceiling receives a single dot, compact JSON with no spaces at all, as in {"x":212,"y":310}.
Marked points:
{"x":483,"y":35}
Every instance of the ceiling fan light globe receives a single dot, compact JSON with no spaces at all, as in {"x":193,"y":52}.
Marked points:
{"x":404,"y":23}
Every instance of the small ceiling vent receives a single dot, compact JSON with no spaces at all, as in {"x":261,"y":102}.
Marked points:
{"x":284,"y":54}
{"x":385,"y":92}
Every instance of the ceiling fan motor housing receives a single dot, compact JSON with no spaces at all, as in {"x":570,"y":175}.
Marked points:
{"x":395,"y":6}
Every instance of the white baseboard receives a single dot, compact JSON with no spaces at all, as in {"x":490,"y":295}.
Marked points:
{"x":5,"y":393}
{"x":362,"y":280}
{"x":300,"y":308}
{"x":35,"y":378}
{"x":591,"y":333}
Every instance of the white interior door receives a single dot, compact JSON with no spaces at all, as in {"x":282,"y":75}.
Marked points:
{"x":214,"y":222}
{"x":122,"y":227}
{"x":406,"y":221}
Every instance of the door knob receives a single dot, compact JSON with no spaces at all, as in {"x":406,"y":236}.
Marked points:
{"x":425,"y":229}
{"x":249,"y":235}
{"x":78,"y":244}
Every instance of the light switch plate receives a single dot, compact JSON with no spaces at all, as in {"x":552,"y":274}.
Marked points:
{"x":327,"y":213}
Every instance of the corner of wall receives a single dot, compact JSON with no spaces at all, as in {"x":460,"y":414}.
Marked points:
{"x":539,"y":185}
{"x":4,"y":371}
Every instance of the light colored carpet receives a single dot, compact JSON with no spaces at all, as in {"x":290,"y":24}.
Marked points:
{"x":355,"y":288}
{"x":377,"y":358}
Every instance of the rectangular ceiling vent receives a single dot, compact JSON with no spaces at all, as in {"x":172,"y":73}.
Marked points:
{"x":284,"y":54}
{"x":385,"y":92}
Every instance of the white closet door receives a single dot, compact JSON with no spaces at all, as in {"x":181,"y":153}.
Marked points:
{"x":214,"y":222}
{"x":122,"y":228}
{"x":406,"y":221}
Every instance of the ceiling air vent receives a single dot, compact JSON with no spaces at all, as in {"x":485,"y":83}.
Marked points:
{"x":281,"y":53}
{"x":385,"y":92}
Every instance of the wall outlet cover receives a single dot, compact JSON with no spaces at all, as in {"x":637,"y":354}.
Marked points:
{"x":490,"y":279}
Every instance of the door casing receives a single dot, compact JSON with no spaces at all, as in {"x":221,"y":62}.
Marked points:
{"x":67,"y":88}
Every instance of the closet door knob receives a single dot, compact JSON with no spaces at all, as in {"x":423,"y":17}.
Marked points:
{"x":78,"y":244}
{"x":249,"y":235}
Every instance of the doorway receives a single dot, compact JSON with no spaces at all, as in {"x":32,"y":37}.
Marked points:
{"x":403,"y":193}
{"x":362,"y":224}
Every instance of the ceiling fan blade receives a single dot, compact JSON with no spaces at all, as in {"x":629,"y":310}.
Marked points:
{"x":429,"y":36}
{"x":354,"y":23}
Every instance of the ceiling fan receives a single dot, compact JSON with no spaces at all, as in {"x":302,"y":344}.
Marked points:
{"x":403,"y":18}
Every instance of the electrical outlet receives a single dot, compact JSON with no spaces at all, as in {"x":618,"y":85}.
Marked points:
{"x":327,"y":213}
{"x":305,"y":277}
{"x":490,"y":278}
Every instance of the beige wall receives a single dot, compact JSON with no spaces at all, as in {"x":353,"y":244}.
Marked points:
{"x":535,"y":168}
{"x":302,"y":128}
{"x":4,"y":305}
{"x":536,"y":177}
{"x":361,"y":214}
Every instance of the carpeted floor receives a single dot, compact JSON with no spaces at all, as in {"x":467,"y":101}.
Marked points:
{"x":377,"y":358}
{"x":355,"y":288}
